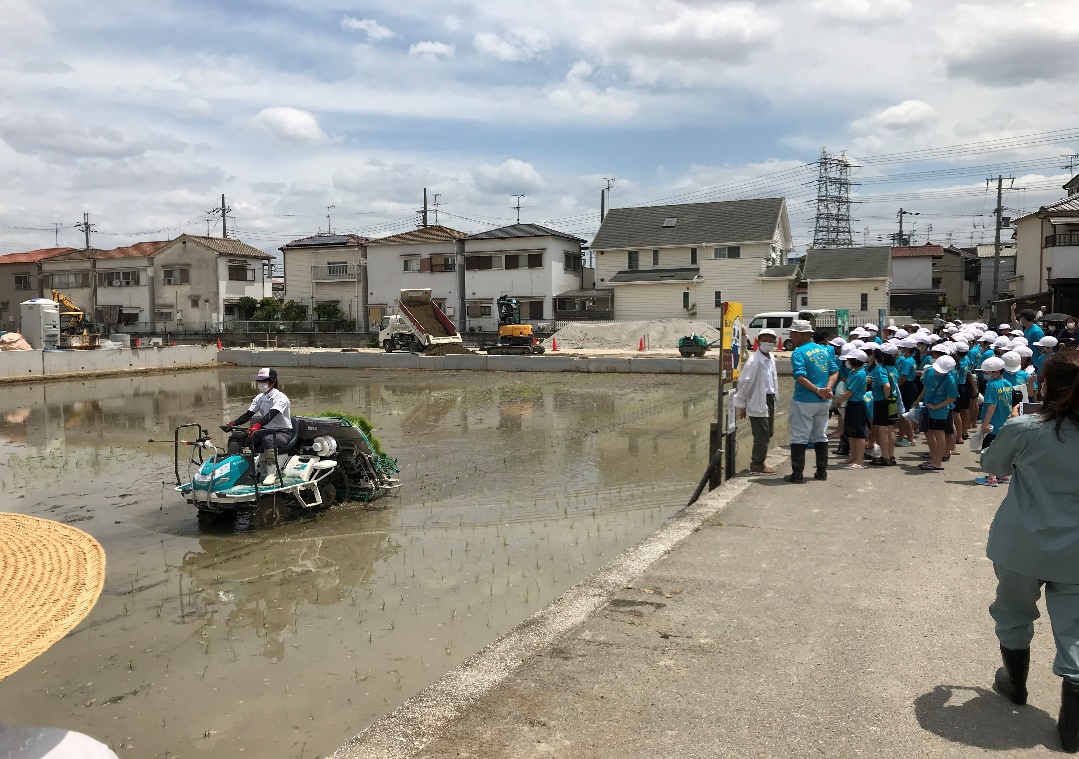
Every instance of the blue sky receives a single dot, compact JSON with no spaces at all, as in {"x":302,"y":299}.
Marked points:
{"x":142,"y":114}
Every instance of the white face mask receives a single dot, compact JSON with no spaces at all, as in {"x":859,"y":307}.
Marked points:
{"x":766,"y":347}
{"x":1070,"y":326}
{"x":263,"y":386}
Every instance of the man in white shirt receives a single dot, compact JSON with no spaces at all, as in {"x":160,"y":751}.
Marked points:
{"x":273,"y":427}
{"x":756,"y":397}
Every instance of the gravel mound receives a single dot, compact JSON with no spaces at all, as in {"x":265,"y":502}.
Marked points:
{"x":658,"y":334}
{"x":425,"y":315}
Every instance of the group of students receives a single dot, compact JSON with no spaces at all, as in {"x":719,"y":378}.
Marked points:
{"x":967,"y":379}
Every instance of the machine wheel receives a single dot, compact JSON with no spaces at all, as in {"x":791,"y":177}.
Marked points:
{"x":415,"y":347}
{"x":387,"y":345}
{"x":328,"y":491}
{"x":269,"y":513}
{"x":788,"y":345}
{"x":539,"y":350}
{"x":209,"y":518}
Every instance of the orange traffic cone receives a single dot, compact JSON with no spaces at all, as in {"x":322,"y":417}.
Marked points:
{"x":219,"y":343}
{"x":554,"y":343}
{"x":641,"y":346}
{"x":137,"y":342}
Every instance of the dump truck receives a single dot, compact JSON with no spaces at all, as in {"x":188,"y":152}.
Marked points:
{"x":419,"y":325}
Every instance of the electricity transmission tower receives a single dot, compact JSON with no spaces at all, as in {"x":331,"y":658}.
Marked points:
{"x":831,"y":227}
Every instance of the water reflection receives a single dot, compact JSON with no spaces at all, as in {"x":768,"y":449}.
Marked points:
{"x":262,"y":586}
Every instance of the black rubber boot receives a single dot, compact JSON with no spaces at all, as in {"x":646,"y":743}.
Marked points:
{"x":822,"y":462}
{"x":1068,"y":722}
{"x":844,"y":447}
{"x":798,"y":463}
{"x":1011,"y":679}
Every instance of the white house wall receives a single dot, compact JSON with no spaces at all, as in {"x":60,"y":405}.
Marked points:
{"x":137,"y":298}
{"x":846,"y":293}
{"x":203,"y":283}
{"x":258,"y":289}
{"x":1030,"y":261}
{"x":386,"y":276}
{"x":651,"y":301}
{"x":912,"y":273}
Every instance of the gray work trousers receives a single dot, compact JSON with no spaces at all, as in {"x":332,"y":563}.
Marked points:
{"x":763,"y":426}
{"x":1016,"y":607}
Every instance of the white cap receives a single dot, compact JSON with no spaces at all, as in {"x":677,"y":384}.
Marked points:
{"x":1004,"y":328}
{"x":921,"y":338}
{"x":992,"y":364}
{"x":1013,"y":362}
{"x":857,"y":343}
{"x":838,"y":342}
{"x":890,"y":349}
{"x":1002,"y":342}
{"x":989,"y":336}
{"x":871,"y":327}
{"x":933,"y":339}
{"x":765,"y":332}
{"x":908,"y":342}
{"x":859,"y":354}
{"x":944,"y":365}
{"x":1024,"y":351}
{"x":961,"y":347}
{"x":901,"y":333}
{"x":1020,"y":340}
{"x":1016,"y":333}
{"x":1047,"y":342}
{"x":951,"y":329}
{"x":891,"y":328}
{"x":945,"y":348}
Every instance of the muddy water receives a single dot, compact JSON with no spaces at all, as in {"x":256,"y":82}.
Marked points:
{"x":286,"y":642}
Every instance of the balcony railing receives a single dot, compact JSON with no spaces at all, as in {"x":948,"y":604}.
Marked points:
{"x":335,"y":273}
{"x":1056,"y":241}
{"x":443,"y":267}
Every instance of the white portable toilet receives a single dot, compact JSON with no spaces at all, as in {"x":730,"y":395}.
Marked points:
{"x":41,"y":323}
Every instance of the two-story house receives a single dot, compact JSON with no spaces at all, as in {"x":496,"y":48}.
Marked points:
{"x":1047,"y":255}
{"x":685,"y":260}
{"x":929,"y":278}
{"x":21,"y":280}
{"x":422,"y":258}
{"x":467,"y":273}
{"x":855,"y":279}
{"x":328,"y":269}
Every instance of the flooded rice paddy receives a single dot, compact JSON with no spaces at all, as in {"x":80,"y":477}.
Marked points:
{"x":288,"y":641}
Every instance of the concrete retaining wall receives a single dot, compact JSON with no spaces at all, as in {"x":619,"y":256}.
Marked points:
{"x":476,"y":362}
{"x":48,"y":364}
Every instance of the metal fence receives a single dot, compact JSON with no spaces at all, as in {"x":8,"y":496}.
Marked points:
{"x":238,"y":327}
{"x":561,"y":323}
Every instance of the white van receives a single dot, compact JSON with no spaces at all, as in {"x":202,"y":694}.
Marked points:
{"x":780,"y":322}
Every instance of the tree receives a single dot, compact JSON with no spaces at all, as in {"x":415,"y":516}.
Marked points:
{"x":247,"y":306}
{"x":268,"y":310}
{"x":329,"y":312}
{"x":292,"y":311}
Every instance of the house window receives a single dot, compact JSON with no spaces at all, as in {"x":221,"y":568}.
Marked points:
{"x":535,"y":260}
{"x":685,"y":300}
{"x":535,"y":310}
{"x":194,"y":300}
{"x":572,"y":262}
{"x":486,"y":309}
{"x":632,"y":259}
{"x":804,"y":301}
{"x":937,"y":282}
{"x":69,"y":280}
{"x":513,"y":262}
{"x":864,"y":303}
{"x":411,"y":264}
{"x":241,"y":274}
{"x":443,"y":263}
{"x":483,"y":263}
{"x":655,"y":258}
{"x":128,"y":278}
{"x":176,"y":276}
{"x":162,"y":316}
{"x":693,"y":256}
{"x":230,"y":310}
{"x":22,"y":281}
{"x":727,"y":251}
{"x":719,"y":299}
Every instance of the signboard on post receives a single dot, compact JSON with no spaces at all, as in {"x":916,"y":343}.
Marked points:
{"x":882,"y":319}
{"x":733,"y":342}
{"x":842,"y":322}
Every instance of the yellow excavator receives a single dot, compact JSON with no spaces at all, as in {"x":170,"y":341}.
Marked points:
{"x":75,"y":329}
{"x":514,"y":338}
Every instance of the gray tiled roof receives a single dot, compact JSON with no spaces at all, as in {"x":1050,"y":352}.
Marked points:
{"x":327,"y":241}
{"x":522,"y":230}
{"x":787,"y":271}
{"x":848,"y":263}
{"x":730,"y":221}
{"x":229,"y":247}
{"x":655,"y":275}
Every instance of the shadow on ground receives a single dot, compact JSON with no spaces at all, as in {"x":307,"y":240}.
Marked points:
{"x":980,"y":718}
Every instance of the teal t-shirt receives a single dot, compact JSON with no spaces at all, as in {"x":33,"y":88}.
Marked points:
{"x":998,"y":394}
{"x":856,"y":384}
{"x":882,"y":375}
{"x":907,"y":368}
{"x":816,"y":363}
{"x":939,"y":388}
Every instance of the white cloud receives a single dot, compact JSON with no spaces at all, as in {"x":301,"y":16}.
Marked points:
{"x":432,"y":50}
{"x":374,"y":30}
{"x":522,"y":46}
{"x":576,"y":94}
{"x":910,"y":115}
{"x":511,"y":177}
{"x":863,"y":11}
{"x":290,"y":125}
{"x":65,"y":139}
{"x":452,"y":23}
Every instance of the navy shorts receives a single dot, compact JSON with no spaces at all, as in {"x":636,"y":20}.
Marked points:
{"x":942,"y":425}
{"x":856,"y":421}
{"x":881,"y":418}
{"x":963,"y":402}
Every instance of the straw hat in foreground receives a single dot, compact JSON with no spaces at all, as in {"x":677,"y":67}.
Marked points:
{"x":50,"y":577}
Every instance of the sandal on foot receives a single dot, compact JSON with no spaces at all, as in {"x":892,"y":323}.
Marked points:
{"x":927,"y":467}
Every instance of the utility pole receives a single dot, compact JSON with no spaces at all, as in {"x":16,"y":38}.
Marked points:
{"x":900,"y":239}
{"x":434,"y":205}
{"x":329,"y":224}
{"x":87,"y":228}
{"x":425,"y":206}
{"x":998,"y":212}
{"x":605,"y":198}
{"x":223,"y":212}
{"x":518,"y":207}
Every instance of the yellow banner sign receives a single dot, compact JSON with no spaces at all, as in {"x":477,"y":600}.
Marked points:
{"x":734,"y":348}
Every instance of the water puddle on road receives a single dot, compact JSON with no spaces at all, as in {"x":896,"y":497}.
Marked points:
{"x":288,"y":641}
